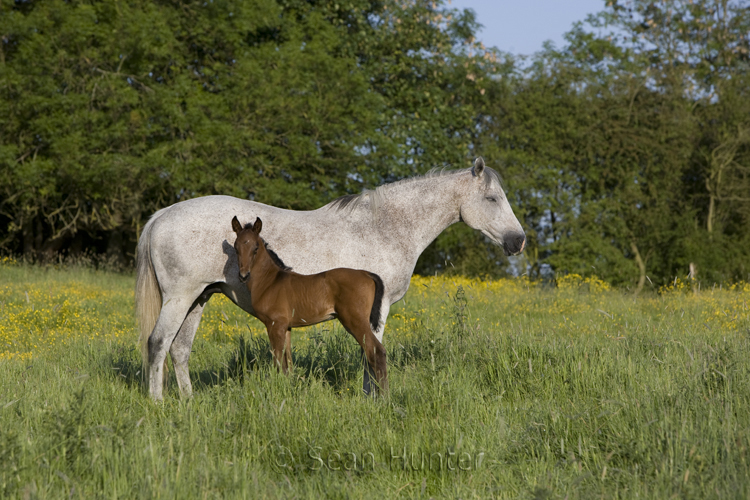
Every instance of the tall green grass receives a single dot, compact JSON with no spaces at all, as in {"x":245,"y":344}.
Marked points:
{"x":498,"y":390}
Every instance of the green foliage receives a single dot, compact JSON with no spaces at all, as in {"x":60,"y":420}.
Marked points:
{"x":628,"y":159}
{"x":626,"y":151}
{"x":128,"y":108}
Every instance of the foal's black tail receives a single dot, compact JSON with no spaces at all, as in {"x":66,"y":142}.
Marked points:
{"x":377,"y":302}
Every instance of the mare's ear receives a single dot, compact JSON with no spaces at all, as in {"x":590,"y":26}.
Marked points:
{"x":258,"y":225}
{"x":236,"y":225}
{"x":478,"y":169}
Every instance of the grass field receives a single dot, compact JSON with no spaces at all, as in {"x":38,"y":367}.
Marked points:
{"x":501,"y":389}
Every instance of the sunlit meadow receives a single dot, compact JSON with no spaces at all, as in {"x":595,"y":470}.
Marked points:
{"x":499,"y":389}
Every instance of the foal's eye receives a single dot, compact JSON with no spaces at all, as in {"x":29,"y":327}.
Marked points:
{"x":493,"y":199}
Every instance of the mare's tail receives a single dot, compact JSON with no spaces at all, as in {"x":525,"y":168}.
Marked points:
{"x":147,"y":292}
{"x":377,"y":302}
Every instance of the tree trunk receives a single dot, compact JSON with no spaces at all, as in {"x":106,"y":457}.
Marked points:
{"x":641,"y":267}
{"x":27,"y":233}
{"x":115,"y":247}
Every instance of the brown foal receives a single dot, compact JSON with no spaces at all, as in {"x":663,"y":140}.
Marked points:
{"x":283,"y":300}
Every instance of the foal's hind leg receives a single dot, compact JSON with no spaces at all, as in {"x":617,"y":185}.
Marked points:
{"x":369,"y":379}
{"x":376,"y":366}
{"x":374,"y":354}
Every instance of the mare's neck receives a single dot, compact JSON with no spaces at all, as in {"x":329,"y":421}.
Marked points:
{"x":416,"y":212}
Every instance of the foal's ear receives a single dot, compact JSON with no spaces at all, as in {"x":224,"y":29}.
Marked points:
{"x":258,"y":225}
{"x":478,"y":169}
{"x":236,"y":225}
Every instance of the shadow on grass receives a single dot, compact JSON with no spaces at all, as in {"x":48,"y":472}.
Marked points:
{"x":334,"y":358}
{"x":331,"y":356}
{"x":129,"y":371}
{"x":125,"y":369}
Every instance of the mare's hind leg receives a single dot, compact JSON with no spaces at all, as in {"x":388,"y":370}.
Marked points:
{"x":183,"y":344}
{"x":171,"y":318}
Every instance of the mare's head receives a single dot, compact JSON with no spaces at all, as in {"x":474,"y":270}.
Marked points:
{"x":246,"y":245}
{"x":485,"y":207}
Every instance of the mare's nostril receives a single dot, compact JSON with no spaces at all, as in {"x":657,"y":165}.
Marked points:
{"x":515,"y":244}
{"x":521,"y":243}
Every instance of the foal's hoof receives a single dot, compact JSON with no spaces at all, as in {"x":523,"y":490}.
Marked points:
{"x":374,"y":392}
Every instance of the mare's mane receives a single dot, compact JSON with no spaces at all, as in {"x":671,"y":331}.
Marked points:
{"x":376,"y":197}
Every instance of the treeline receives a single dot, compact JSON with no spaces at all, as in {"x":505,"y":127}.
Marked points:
{"x":626,"y":153}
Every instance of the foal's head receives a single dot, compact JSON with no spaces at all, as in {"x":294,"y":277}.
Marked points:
{"x":246,"y":245}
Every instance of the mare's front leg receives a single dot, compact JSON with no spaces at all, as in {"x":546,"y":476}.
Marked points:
{"x":280,"y":337}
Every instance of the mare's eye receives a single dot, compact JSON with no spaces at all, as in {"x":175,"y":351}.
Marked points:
{"x":493,"y":199}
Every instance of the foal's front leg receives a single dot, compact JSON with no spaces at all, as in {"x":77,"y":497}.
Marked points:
{"x":280,"y":337}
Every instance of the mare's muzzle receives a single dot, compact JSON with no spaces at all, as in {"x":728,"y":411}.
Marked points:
{"x":514,"y":244}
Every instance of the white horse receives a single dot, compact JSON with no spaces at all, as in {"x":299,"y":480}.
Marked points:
{"x":186,"y":253}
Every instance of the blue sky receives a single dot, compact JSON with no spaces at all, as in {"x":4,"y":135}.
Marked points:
{"x":521,"y":26}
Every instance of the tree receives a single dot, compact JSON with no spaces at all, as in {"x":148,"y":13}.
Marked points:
{"x":129,"y":108}
{"x":601,"y":137}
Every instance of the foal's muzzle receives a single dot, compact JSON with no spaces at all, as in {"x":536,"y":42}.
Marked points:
{"x":243,"y":278}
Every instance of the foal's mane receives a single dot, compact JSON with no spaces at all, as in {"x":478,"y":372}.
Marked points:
{"x":275,"y":258}
{"x":376,"y":197}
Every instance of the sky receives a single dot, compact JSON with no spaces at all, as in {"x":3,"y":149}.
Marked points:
{"x":521,"y":26}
